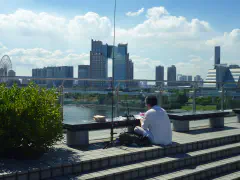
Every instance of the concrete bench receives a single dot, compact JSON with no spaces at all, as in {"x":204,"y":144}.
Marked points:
{"x":237,"y":112}
{"x":78,"y":134}
{"x":181,"y":120}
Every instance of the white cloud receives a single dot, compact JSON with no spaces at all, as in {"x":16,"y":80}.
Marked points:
{"x":226,"y":40}
{"x":140,"y":11}
{"x":30,"y":29}
{"x":194,"y":58}
{"x":160,"y":24}
{"x":2,"y":48}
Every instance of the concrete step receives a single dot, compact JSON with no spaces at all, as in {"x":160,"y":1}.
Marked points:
{"x":162,"y":165}
{"x":120,"y":156}
{"x":117,"y":157}
{"x":231,"y":176}
{"x":205,"y":171}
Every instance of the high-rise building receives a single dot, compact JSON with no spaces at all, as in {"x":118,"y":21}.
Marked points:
{"x":54,"y":72}
{"x":171,"y":75}
{"x":130,"y":69}
{"x":83,"y":73}
{"x":120,"y":63}
{"x":123,"y":67}
{"x":181,"y":77}
{"x":99,"y":62}
{"x":130,"y":75}
{"x":39,"y":73}
{"x":217,"y":55}
{"x":159,"y":75}
{"x":189,"y":78}
{"x":197,"y":78}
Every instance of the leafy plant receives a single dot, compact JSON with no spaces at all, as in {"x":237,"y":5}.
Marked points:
{"x":30,"y":120}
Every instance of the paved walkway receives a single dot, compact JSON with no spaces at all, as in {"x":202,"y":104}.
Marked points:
{"x":61,"y":153}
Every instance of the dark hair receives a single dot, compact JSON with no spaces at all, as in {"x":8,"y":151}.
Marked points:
{"x":151,"y":100}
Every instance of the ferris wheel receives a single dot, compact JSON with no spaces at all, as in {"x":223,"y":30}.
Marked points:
{"x":5,"y":66}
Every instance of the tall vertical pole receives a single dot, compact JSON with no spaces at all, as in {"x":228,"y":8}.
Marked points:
{"x":114,"y":33}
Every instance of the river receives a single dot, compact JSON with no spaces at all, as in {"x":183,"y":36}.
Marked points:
{"x":79,"y":114}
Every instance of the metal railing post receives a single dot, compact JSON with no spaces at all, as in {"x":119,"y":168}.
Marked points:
{"x":194,"y":100}
{"x":222,"y":98}
{"x":117,"y":99}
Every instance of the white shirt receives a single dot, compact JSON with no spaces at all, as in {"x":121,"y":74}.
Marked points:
{"x":157,"y":122}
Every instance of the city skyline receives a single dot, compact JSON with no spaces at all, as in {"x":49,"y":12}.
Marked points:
{"x":158,"y":33}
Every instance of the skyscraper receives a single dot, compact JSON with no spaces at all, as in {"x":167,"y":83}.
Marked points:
{"x":98,"y":62}
{"x":189,"y":78}
{"x":198,"y":78}
{"x":130,"y":70}
{"x":159,"y":75}
{"x":171,"y":75}
{"x":83,"y":73}
{"x":120,"y":63}
{"x":99,"y":54}
{"x":217,"y":55}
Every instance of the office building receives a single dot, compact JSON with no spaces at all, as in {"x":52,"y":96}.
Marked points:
{"x":123,"y":67}
{"x":120,"y":63}
{"x":217,"y":54}
{"x":159,"y":75}
{"x":98,"y":62}
{"x":130,"y":75}
{"x":39,"y":73}
{"x":54,"y":72}
{"x":198,"y":78}
{"x":171,"y":75}
{"x":181,"y":77}
{"x":234,"y":66}
{"x":189,"y":78}
{"x":83,"y":73}
{"x":130,"y":70}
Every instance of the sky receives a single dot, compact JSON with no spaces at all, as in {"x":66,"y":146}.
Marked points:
{"x":183,"y":33}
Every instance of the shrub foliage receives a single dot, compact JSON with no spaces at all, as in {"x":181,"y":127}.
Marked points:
{"x":30,"y":120}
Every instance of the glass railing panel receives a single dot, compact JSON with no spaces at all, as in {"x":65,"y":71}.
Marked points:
{"x":231,"y":97}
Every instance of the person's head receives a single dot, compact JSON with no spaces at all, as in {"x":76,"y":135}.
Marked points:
{"x":151,"y":101}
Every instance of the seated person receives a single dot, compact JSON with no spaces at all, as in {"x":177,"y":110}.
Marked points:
{"x":156,"y":124}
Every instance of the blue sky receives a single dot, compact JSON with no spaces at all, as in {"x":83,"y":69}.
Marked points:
{"x":181,"y":32}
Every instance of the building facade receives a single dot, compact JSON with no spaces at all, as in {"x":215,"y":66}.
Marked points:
{"x":54,"y":72}
{"x":83,"y":73}
{"x":159,"y":75}
{"x":98,"y":62}
{"x":189,"y":78}
{"x":217,"y":55}
{"x":171,"y":75}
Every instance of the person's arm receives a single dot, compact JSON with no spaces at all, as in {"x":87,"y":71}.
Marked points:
{"x":145,"y":121}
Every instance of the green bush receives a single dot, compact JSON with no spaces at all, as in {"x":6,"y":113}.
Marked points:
{"x":30,"y":120}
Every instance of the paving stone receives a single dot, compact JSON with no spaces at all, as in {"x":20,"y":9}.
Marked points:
{"x":57,"y":170}
{"x":12,"y":176}
{"x":34,"y":174}
{"x":45,"y":173}
{"x":22,"y":175}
